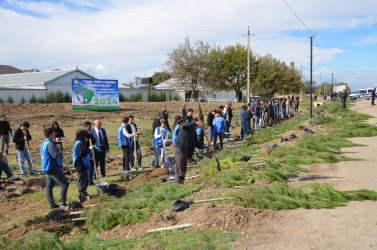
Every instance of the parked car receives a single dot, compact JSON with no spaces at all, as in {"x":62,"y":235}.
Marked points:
{"x":361,"y":94}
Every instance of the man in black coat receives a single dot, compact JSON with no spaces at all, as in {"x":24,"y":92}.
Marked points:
{"x":249,"y":116}
{"x":373,"y":95}
{"x":90,"y":137}
{"x":4,"y":134}
{"x":100,"y":137}
{"x":21,"y":138}
{"x":343,"y":96}
{"x":186,"y":140}
{"x":131,"y":131}
{"x":165,"y":116}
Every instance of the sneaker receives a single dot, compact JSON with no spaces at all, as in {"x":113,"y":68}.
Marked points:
{"x":64,"y":206}
{"x":34,"y":173}
{"x":105,"y":176}
{"x":139,"y":167}
{"x":54,"y":206}
{"x":24,"y":175}
{"x":162,"y":166}
{"x":133,"y":169}
{"x":14,"y":177}
{"x":87,"y":197}
{"x":91,"y":184}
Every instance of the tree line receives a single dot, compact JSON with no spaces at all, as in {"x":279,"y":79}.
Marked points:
{"x":199,"y":64}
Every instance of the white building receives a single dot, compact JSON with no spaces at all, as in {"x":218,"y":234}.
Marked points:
{"x":38,"y":83}
{"x":206,"y":94}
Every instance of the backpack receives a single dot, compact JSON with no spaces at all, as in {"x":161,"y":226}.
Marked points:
{"x":112,"y":189}
{"x":54,"y":215}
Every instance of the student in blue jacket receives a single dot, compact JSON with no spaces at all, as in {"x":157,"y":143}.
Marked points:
{"x":80,"y":157}
{"x":218,"y":129}
{"x":51,"y":164}
{"x":178,"y":124}
{"x":161,"y":135}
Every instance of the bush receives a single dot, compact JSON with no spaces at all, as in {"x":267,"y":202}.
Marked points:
{"x":161,"y":96}
{"x":136,"y":97}
{"x":154,"y":97}
{"x":176,"y":98}
{"x":122,"y":98}
{"x":1,"y":100}
{"x":42,"y":100}
{"x":51,"y":97}
{"x":59,"y":96}
{"x":10,"y":99}
{"x":23,"y":99}
{"x":67,"y":97}
{"x":170,"y":96}
{"x":33,"y":99}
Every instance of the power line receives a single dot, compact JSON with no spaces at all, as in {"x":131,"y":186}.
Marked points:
{"x":315,"y":39}
{"x":183,"y":14}
{"x":294,"y":13}
{"x":150,"y":18}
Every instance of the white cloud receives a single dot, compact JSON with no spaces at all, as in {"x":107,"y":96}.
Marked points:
{"x":127,"y":39}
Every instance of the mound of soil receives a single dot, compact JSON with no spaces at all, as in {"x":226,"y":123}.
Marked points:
{"x":17,"y":188}
{"x":57,"y":228}
{"x":157,"y":174}
{"x":210,"y":216}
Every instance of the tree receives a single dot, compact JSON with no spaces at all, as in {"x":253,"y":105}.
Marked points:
{"x":271,"y":76}
{"x":159,"y":77}
{"x":149,"y":93}
{"x":189,"y":64}
{"x":59,"y":96}
{"x":161,"y":96}
{"x":23,"y":99}
{"x":229,"y":67}
{"x":33,"y":99}
{"x":10,"y":99}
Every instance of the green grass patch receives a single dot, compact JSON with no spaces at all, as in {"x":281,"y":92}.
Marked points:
{"x":283,"y":196}
{"x":139,"y":203}
{"x":183,"y":239}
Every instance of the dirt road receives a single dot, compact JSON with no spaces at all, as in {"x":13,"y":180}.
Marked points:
{"x":350,"y":227}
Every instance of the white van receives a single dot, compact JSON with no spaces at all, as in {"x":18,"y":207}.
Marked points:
{"x":361,"y":94}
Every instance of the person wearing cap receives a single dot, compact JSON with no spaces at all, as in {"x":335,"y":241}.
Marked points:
{"x":51,"y":164}
{"x":4,"y":133}
{"x":20,"y":138}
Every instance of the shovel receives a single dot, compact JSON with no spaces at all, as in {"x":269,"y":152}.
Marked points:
{"x":136,"y":171}
{"x":81,"y":195}
{"x":212,"y":149}
{"x":180,"y":205}
{"x":31,"y":160}
{"x":95,"y":167}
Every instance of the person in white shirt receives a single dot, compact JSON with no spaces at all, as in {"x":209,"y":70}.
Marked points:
{"x":161,"y":135}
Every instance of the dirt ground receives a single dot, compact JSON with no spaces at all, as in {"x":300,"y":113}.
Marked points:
{"x":351,"y":227}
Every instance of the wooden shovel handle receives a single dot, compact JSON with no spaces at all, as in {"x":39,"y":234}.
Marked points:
{"x":212,"y":149}
{"x":216,"y":199}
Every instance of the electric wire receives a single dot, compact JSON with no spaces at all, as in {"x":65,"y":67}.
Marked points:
{"x":150,"y":18}
{"x":315,"y":39}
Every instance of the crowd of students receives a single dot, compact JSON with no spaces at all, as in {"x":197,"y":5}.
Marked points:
{"x":91,"y":144}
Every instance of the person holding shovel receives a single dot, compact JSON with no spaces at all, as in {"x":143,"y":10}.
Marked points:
{"x":90,"y":137}
{"x":132,"y":133}
{"x":21,"y":138}
{"x":160,"y":138}
{"x":51,"y":164}
{"x":186,"y":139}
{"x":125,"y":143}
{"x":80,"y":158}
{"x":5,"y":129}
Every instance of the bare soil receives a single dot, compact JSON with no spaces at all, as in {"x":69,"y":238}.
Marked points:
{"x":209,"y":216}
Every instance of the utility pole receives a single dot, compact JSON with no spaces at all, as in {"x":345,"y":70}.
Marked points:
{"x":332,"y":82}
{"x":311,"y":77}
{"x":301,"y":83}
{"x":248,"y":65}
{"x":320,"y":82}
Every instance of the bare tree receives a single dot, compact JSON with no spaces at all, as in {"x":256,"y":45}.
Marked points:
{"x":189,"y":64}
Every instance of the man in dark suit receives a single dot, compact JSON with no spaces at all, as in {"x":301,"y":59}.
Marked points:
{"x":103,"y":145}
{"x":373,"y":95}
{"x":90,"y":137}
{"x":343,"y":96}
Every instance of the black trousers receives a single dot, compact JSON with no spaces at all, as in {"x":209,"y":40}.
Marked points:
{"x":126,"y":159}
{"x":180,"y":165}
{"x":344,"y":104}
{"x":100,"y":160}
{"x":82,"y":181}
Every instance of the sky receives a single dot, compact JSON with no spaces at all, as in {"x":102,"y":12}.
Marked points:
{"x":121,"y":39}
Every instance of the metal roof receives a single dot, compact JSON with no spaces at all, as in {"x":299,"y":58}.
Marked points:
{"x":172,"y":83}
{"x":32,"y":80}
